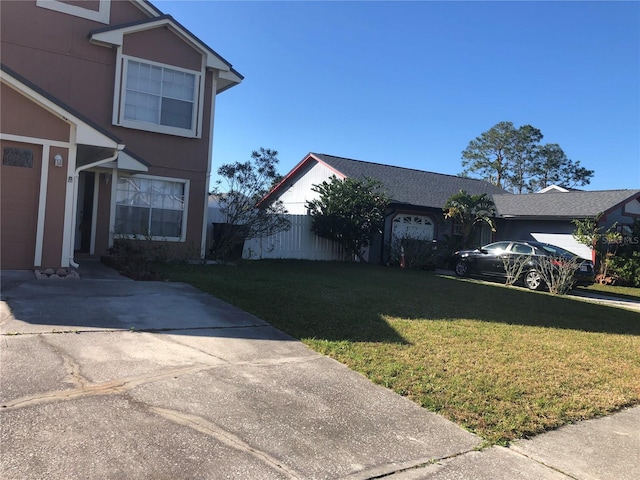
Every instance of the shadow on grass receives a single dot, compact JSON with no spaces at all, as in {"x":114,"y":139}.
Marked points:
{"x":349,"y":302}
{"x":494,"y":302}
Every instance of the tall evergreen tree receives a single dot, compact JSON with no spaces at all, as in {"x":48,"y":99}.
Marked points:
{"x":514,"y":159}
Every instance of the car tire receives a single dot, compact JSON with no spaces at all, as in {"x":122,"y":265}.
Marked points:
{"x":462,"y":268}
{"x":533,"y":280}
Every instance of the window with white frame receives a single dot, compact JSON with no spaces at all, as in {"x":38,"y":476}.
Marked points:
{"x":159,"y":98}
{"x":97,"y":10}
{"x":151,"y":207}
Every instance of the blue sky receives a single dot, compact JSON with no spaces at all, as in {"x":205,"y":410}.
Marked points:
{"x":411,"y":83}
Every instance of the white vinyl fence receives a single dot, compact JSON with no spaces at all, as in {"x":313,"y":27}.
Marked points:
{"x":299,"y":242}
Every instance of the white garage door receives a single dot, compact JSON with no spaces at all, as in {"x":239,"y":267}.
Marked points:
{"x":565,"y":241}
{"x":413,"y":226}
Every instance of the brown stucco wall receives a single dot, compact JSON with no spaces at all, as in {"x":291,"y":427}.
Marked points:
{"x":20,"y":116}
{"x":161,"y":45}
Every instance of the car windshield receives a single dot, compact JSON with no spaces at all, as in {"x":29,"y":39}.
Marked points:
{"x":495,"y":248}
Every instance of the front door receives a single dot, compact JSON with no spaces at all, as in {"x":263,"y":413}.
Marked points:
{"x":84,"y":212}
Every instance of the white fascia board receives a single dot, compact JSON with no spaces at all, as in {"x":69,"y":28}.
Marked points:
{"x":107,"y":39}
{"x":146,"y":8}
{"x":85,"y":134}
{"x":115,"y":37}
{"x":101,"y":15}
{"x":230,"y":76}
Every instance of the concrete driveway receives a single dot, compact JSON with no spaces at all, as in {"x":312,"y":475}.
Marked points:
{"x":104,"y":377}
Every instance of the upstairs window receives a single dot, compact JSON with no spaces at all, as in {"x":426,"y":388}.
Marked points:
{"x":97,"y":10}
{"x":159,"y":98}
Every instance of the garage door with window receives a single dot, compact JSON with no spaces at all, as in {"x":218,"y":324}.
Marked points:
{"x":418,"y":227}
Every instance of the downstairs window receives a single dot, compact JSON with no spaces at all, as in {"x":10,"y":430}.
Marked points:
{"x":151,"y":207}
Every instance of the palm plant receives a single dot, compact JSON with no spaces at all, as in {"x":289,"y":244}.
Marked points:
{"x":468,"y":211}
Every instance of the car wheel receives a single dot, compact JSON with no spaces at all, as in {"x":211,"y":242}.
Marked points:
{"x":462,"y":268}
{"x":533,"y":280}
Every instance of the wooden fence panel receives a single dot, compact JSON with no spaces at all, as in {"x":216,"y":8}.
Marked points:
{"x":297,"y":243}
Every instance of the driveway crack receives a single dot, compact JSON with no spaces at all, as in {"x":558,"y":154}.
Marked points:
{"x":107,"y":388}
{"x":211,"y":429}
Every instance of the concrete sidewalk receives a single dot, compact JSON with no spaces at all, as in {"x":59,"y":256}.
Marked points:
{"x":103,"y":377}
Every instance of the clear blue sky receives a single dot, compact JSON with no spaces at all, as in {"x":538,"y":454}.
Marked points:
{"x":411,"y":83}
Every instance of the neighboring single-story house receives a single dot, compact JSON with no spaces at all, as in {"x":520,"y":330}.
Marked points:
{"x":417,"y":198}
{"x":416,"y":209}
{"x":547,"y":216}
{"x":106,"y":130}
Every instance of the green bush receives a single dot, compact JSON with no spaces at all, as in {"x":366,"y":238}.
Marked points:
{"x":133,"y":258}
{"x":418,"y":254}
{"x":626,"y":268}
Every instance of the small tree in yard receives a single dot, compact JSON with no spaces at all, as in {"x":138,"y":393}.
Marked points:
{"x":558,"y":272}
{"x":349,"y":212}
{"x":470,"y":210}
{"x":604,"y":242}
{"x":241,"y":187}
{"x":554,"y":272}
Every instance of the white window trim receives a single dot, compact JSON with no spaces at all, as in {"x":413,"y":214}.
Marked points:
{"x":101,"y":15}
{"x":119,"y":99}
{"x":185,"y":211}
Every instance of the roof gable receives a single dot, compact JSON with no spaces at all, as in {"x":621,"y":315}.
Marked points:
{"x":405,"y":186}
{"x":114,"y":36}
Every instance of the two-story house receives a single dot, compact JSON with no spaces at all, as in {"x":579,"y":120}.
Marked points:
{"x":107,"y":112}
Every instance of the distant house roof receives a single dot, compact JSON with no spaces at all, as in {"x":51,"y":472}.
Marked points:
{"x":572,"y":204}
{"x":404,"y":185}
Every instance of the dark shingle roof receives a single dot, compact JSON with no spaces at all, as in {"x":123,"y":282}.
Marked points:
{"x":573,"y":204}
{"x":409,"y":186}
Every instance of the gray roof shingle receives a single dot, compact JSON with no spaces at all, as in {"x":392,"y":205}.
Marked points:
{"x":409,"y":186}
{"x":573,"y":204}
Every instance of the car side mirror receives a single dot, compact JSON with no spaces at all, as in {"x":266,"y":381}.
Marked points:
{"x":482,"y":250}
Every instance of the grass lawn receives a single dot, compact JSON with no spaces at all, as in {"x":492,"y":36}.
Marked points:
{"x":624,"y":292}
{"x":502,"y":362}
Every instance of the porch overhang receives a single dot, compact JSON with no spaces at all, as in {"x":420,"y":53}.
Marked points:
{"x":127,"y":162}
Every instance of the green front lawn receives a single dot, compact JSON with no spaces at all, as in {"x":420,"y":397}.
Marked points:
{"x":502,"y":362}
{"x":613,"y":290}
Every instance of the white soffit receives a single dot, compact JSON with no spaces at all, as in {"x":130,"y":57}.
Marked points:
{"x":127,"y":162}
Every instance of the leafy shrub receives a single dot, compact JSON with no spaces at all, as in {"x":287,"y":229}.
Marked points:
{"x":625,"y":269}
{"x":418,"y":253}
{"x":134,"y":258}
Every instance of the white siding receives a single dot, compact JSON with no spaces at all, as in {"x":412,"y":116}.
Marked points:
{"x":297,"y":243}
{"x":299,"y":190}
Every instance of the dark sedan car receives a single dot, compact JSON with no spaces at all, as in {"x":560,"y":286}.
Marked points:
{"x":489,"y":261}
